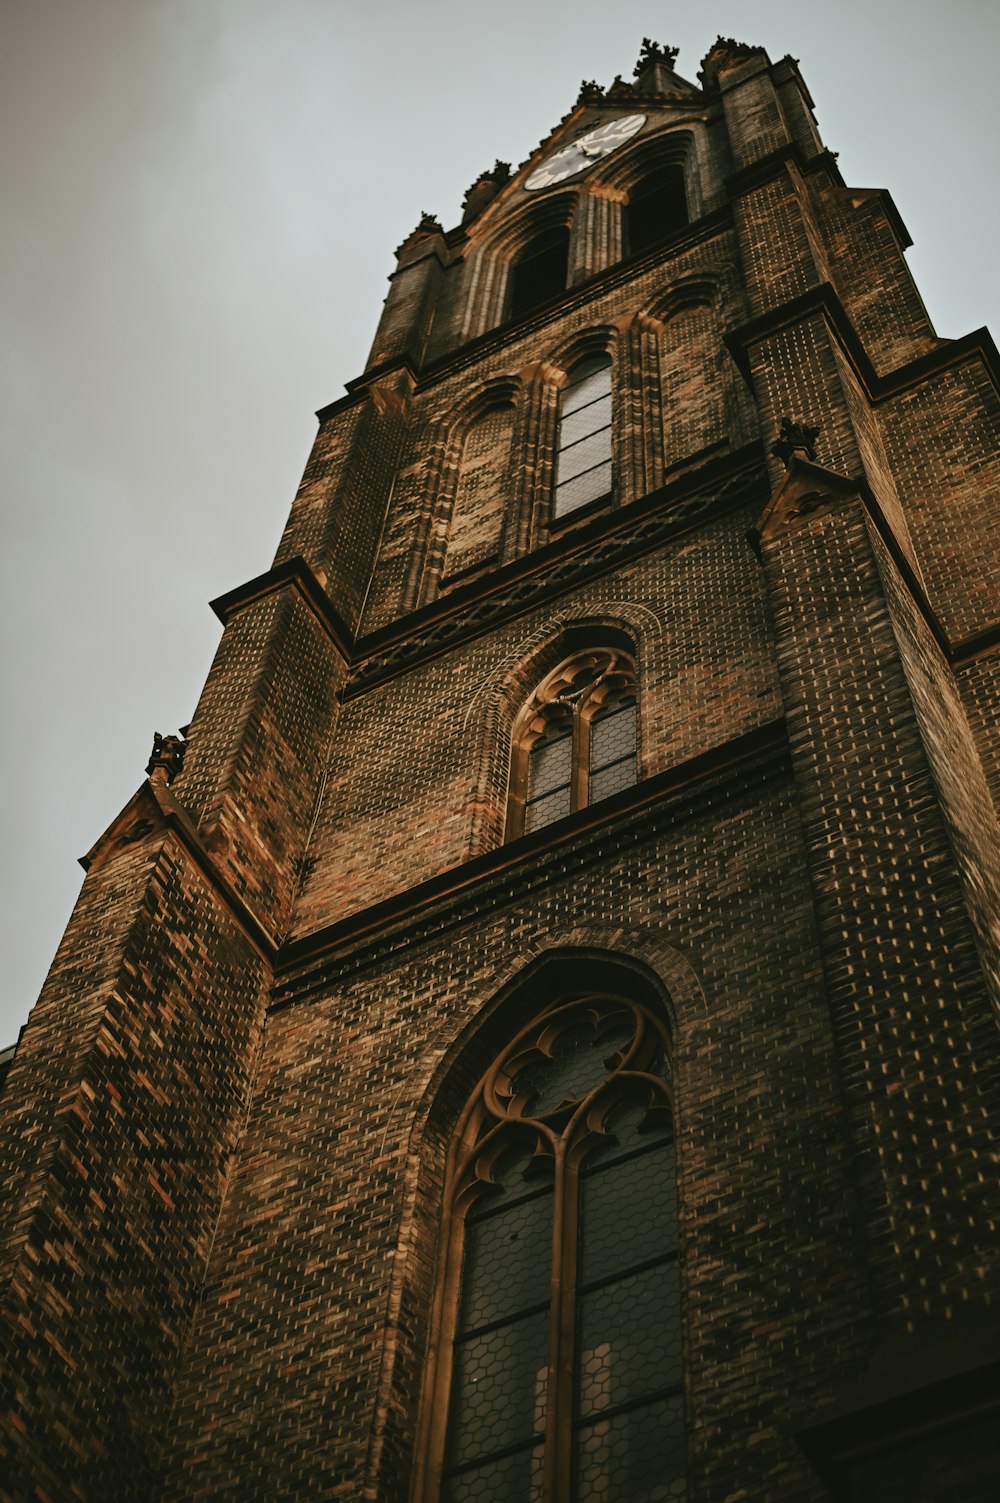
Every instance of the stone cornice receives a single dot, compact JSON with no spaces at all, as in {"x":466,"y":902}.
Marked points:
{"x":297,"y":574}
{"x":600,"y":544}
{"x":154,"y":810}
{"x":513,"y":870}
{"x":824,"y":300}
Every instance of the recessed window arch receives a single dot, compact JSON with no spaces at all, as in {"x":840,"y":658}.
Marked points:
{"x":557,"y":1369}
{"x":481,"y":491}
{"x":575,"y":741}
{"x":540,"y":270}
{"x":656,"y":207}
{"x":584,"y":459}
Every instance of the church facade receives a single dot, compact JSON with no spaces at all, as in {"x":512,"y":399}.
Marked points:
{"x":533,"y":1036}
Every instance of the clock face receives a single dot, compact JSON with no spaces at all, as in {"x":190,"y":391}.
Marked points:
{"x":584,"y":152}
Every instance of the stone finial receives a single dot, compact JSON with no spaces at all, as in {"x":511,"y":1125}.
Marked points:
{"x":793,"y":439}
{"x":620,"y":89}
{"x":590,"y":92}
{"x":652,"y":54}
{"x":166,"y":759}
{"x":723,"y":49}
{"x":429,"y":225}
{"x":484,"y":190}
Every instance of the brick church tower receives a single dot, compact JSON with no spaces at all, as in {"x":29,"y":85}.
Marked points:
{"x":533,"y":1040}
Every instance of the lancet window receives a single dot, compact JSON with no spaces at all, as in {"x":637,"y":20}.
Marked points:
{"x":575,"y":741}
{"x":557,"y":1376}
{"x":584,"y":471}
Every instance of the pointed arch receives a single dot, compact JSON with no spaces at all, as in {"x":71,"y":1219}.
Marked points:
{"x":643,"y":962}
{"x":495,"y":253}
{"x":579,"y":466}
{"x":656,"y":188}
{"x":500,"y":698}
{"x":549,"y":1030}
{"x":468,"y":495}
{"x":690,"y":356}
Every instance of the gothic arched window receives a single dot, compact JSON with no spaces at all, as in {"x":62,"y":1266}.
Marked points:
{"x":656,"y":207}
{"x":575,"y":740}
{"x":557,"y":1371}
{"x":583,"y":461}
{"x":539,"y":273}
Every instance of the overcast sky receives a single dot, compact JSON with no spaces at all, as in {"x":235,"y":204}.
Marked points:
{"x":200,"y":203}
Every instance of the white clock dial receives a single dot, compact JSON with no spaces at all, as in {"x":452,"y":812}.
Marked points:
{"x":584,"y":152}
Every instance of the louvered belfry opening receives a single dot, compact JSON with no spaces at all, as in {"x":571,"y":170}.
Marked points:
{"x":657,"y":207}
{"x":539,"y":273}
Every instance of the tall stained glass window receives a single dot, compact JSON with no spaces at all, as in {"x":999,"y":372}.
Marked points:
{"x":559,"y":1378}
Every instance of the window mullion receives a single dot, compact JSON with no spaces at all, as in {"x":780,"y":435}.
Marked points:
{"x":559,"y":1432}
{"x":581,"y":759}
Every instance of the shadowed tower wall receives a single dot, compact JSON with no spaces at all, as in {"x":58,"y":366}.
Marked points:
{"x":621,"y":701}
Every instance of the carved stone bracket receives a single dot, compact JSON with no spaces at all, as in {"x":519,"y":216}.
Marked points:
{"x":166,"y":759}
{"x":795,"y":438}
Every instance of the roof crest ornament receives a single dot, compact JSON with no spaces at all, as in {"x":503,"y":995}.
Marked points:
{"x":722,"y":47}
{"x":590,"y":92}
{"x":795,"y":439}
{"x":166,"y":759}
{"x":652,"y":53}
{"x":484,"y":190}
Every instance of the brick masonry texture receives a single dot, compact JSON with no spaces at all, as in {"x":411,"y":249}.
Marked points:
{"x":227,"y":1123}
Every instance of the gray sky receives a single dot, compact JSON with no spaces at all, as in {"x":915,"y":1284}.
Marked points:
{"x":201,"y":199}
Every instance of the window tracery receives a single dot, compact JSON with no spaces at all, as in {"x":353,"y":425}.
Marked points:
{"x":558,"y":1373}
{"x":575,"y":742}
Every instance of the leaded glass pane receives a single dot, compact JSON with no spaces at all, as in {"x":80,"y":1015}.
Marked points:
{"x":628,"y":1213}
{"x":584,"y":454}
{"x":635,"y":1457}
{"x":507,"y":1261}
{"x":550,"y":765}
{"x":589,"y":419}
{"x":577,"y":1064}
{"x":583,"y":489}
{"x":501,"y":1481}
{"x":612,"y":737}
{"x":544,"y":810}
{"x":629,"y":1338}
{"x":587,"y":383}
{"x":498,"y":1390}
{"x":510,"y":1177}
{"x":611,"y":780}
